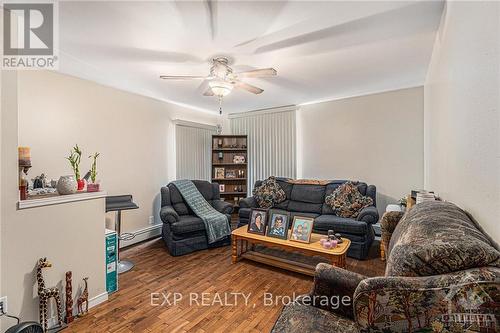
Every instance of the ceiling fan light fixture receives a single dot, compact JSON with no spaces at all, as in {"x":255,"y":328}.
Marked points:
{"x":220,"y":88}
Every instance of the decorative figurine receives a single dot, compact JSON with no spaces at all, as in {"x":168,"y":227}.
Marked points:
{"x":69,"y":298}
{"x":45,"y":294}
{"x":84,"y":298}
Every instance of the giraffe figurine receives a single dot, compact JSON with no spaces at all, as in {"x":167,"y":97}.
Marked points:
{"x":84,"y":298}
{"x":45,"y":294}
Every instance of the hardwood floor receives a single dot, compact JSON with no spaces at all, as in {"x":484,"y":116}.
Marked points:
{"x":132,"y":309}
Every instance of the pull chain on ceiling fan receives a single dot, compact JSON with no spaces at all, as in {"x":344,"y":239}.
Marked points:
{"x":222,"y":79}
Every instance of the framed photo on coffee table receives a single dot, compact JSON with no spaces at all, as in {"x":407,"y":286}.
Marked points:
{"x":278,"y":223}
{"x":302,"y":229}
{"x":258,"y":221}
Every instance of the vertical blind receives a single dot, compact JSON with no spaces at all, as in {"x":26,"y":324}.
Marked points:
{"x":271,"y":144}
{"x":193,"y":152}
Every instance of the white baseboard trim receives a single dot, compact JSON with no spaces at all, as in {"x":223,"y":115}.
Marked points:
{"x":94,"y":301}
{"x":142,"y":235}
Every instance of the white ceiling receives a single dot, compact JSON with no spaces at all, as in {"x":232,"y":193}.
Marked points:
{"x":321,"y":50}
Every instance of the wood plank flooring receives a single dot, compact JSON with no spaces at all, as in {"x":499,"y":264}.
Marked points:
{"x":209,"y":271}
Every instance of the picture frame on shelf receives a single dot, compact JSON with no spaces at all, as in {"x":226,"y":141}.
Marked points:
{"x":238,"y":159}
{"x":258,"y":221}
{"x":302,"y":229}
{"x":219,"y":173}
{"x":222,"y":188}
{"x":278,"y":224}
{"x":230,"y":173}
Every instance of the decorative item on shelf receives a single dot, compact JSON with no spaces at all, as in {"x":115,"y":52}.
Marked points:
{"x":238,"y":159}
{"x":302,"y":229}
{"x":240,"y":174}
{"x":45,"y":294}
{"x":219,"y":173}
{"x":83,"y":299}
{"x":93,"y":186}
{"x":219,"y":143}
{"x":39,"y":181}
{"x":220,"y":156}
{"x":236,"y":201}
{"x":258,"y":220}
{"x":230,"y":174}
{"x":24,"y":158}
{"x":74,"y":159}
{"x":67,"y":185}
{"x":69,"y":298}
{"x":424,"y":195}
{"x":222,"y":188}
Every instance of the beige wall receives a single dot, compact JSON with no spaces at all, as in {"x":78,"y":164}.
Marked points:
{"x":462,"y":112}
{"x":374,"y":138}
{"x":134,"y":134}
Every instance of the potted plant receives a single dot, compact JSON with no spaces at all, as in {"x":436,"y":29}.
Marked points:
{"x":74,"y":159}
{"x":93,"y":186}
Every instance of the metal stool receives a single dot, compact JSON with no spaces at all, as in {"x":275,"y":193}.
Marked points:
{"x":117,"y":203}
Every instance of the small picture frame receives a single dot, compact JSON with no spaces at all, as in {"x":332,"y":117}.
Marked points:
{"x":258,"y":221}
{"x":219,"y":173}
{"x":277,"y":226}
{"x":222,"y":188}
{"x":301,"y":229}
{"x":238,"y":159}
{"x":230,"y":173}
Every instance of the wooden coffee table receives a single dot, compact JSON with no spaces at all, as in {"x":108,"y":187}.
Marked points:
{"x":243,"y":243}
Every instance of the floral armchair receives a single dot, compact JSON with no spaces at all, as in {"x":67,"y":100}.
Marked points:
{"x":447,"y":282}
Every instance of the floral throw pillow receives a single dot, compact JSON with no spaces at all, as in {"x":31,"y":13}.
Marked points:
{"x":269,"y":193}
{"x":346,"y":201}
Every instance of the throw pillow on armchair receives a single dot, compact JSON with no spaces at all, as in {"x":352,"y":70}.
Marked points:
{"x":269,"y":193}
{"x":346,"y":201}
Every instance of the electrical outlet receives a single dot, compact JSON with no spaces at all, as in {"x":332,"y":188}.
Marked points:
{"x":3,"y":304}
{"x":151,"y":220}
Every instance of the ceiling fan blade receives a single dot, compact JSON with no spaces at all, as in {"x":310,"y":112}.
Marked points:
{"x":208,"y":92}
{"x":182,"y":77}
{"x":264,"y":72}
{"x":248,"y":87}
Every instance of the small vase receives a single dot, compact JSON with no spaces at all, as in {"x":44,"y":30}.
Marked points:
{"x":93,"y":187}
{"x":81,"y":184}
{"x":67,"y":185}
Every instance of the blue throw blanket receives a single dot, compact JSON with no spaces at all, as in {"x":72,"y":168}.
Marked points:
{"x":216,"y":223}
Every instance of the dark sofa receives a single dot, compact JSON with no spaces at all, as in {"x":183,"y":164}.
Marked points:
{"x":184,"y":232}
{"x":309,"y":200}
{"x":442,"y":275}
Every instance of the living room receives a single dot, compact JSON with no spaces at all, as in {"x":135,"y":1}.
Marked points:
{"x":170,"y":167}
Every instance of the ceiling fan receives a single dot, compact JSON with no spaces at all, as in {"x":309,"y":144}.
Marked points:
{"x":221,"y":80}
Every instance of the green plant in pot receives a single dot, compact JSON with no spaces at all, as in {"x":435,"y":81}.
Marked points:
{"x":74,"y":159}
{"x":93,"y":186}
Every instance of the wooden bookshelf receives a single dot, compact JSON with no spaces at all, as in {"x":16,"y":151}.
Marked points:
{"x":229,"y":166}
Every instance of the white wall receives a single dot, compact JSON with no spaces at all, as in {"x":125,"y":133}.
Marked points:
{"x":52,"y":111}
{"x":375,"y":138}
{"x":462,"y":112}
{"x":70,"y":235}
{"x":134,"y":134}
